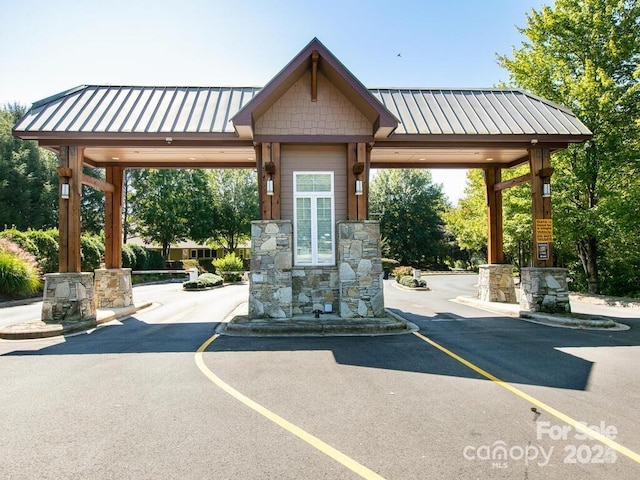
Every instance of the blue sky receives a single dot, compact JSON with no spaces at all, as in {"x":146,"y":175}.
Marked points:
{"x":49,"y":46}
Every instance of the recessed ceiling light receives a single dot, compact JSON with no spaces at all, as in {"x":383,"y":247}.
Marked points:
{"x":192,"y":158}
{"x":115,"y":158}
{"x":489,"y":159}
{"x":422,"y":159}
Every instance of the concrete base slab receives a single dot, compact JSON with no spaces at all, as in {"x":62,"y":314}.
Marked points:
{"x":240,"y":325}
{"x":39,"y":329}
{"x":569,"y":320}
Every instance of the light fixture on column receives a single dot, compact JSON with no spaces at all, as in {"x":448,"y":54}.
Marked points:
{"x":270,"y":168}
{"x":359,"y":187}
{"x":358,"y":169}
{"x":64,"y":190}
{"x":546,"y":187}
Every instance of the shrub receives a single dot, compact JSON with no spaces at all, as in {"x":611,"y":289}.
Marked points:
{"x":21,"y":239}
{"x":409,"y":281}
{"x":128,"y":256}
{"x":141,"y":255}
{"x":389,"y":264}
{"x":48,"y":250}
{"x":19,"y":274}
{"x":92,"y":252}
{"x":227,"y":267}
{"x":155,"y":260}
{"x":403,"y":271}
{"x":206,"y":280}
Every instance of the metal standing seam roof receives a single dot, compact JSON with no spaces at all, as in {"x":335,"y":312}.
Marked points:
{"x":96,"y":109}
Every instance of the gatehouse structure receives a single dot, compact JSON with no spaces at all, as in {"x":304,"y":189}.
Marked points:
{"x":312,"y":133}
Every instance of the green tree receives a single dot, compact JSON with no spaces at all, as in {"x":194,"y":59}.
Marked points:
{"x":585,"y":54}
{"x":235,"y":197}
{"x":468,"y":220}
{"x":92,"y":204}
{"x":409,"y":206}
{"x":169,"y":206}
{"x":28,"y":178}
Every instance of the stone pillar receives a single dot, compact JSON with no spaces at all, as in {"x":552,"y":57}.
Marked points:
{"x":360,"y":269}
{"x":113,"y":287}
{"x":544,"y":290}
{"x":68,"y":297}
{"x":495,"y":283}
{"x":270,"y":293}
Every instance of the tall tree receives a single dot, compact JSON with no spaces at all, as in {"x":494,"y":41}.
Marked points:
{"x":235,"y":197}
{"x":169,"y":206}
{"x":585,"y":54}
{"x":92,"y":205}
{"x":28,"y":178}
{"x":409,"y":206}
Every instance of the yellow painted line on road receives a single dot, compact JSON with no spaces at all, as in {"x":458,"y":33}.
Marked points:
{"x":315,"y":442}
{"x":552,"y":411}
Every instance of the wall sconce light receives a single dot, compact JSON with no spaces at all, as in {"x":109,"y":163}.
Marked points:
{"x":64,"y":190}
{"x":546,"y":187}
{"x":269,"y":186}
{"x":359,"y":187}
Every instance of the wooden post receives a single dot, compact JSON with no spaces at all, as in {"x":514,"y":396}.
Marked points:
{"x":265,"y":200}
{"x":76,"y":161}
{"x":113,"y":218}
{"x":363,"y":157}
{"x":540,"y":164}
{"x":63,"y":210}
{"x":351,"y":183}
{"x":260,"y":179}
{"x":69,"y":226}
{"x":495,"y":247}
{"x":277,"y":182}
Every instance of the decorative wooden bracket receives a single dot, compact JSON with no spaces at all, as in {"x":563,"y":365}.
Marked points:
{"x":97,"y":183}
{"x":314,"y":75}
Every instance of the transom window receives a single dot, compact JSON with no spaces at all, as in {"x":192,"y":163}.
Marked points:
{"x":313,"y":218}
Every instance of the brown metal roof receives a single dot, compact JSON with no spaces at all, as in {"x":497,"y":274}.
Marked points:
{"x":100,"y":109}
{"x":477,"y":112}
{"x":96,"y":110}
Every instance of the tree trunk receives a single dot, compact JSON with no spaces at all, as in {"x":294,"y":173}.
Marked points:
{"x":588,"y":253}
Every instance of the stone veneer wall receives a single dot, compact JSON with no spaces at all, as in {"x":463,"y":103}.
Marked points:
{"x":113,"y":287}
{"x":544,"y":290}
{"x":360,"y":269}
{"x":68,"y":297}
{"x":270,"y":294}
{"x":314,"y":286}
{"x":495,"y":283}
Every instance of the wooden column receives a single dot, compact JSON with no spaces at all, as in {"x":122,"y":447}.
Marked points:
{"x":269,"y":204}
{"x":69,"y":172}
{"x":363,"y":157}
{"x":277,"y":182}
{"x":357,"y":168}
{"x":495,"y":247}
{"x":113,"y":218}
{"x":540,"y":163}
{"x":351,"y":182}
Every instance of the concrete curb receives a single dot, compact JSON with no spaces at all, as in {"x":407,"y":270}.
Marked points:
{"x":576,"y":320}
{"x":39,"y":329}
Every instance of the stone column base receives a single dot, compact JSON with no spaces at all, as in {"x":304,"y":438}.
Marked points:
{"x":270,"y":281}
{"x":68,"y":297}
{"x":544,"y":290}
{"x":495,"y":284}
{"x":113,"y":288}
{"x":360,"y":269}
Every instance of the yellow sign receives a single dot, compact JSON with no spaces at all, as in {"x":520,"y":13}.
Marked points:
{"x":544,"y":230}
